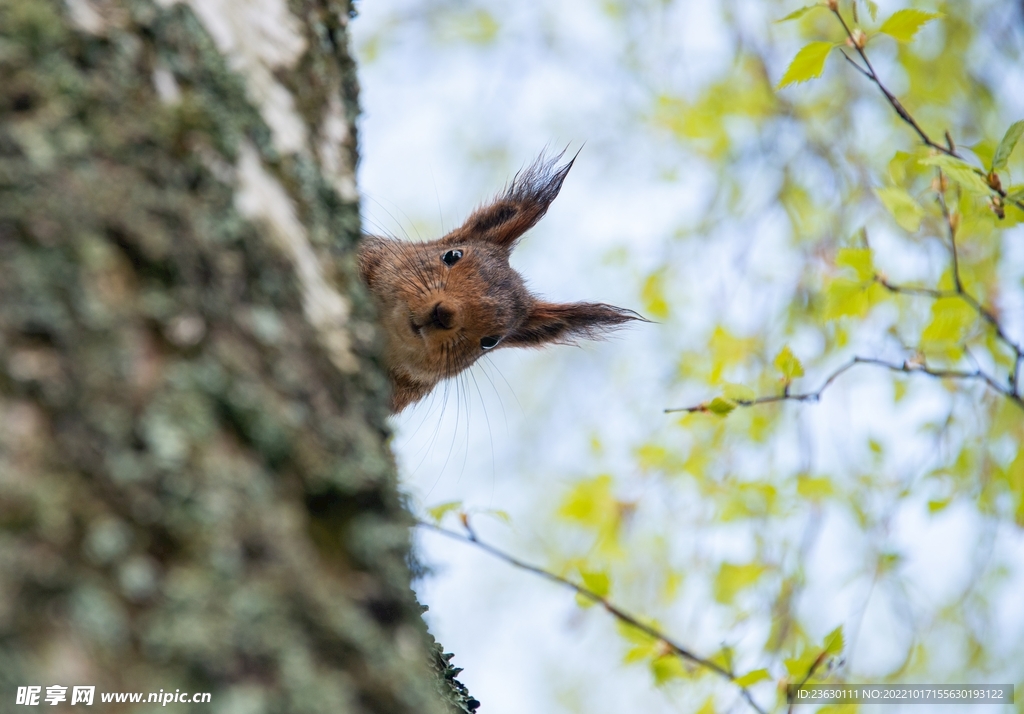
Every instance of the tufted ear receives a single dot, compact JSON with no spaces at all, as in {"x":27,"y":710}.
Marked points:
{"x":549,"y":323}
{"x":523,"y":203}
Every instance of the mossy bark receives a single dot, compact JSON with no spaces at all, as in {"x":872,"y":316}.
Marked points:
{"x":196,"y":491}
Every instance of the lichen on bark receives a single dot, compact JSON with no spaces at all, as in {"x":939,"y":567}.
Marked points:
{"x":195,"y":492}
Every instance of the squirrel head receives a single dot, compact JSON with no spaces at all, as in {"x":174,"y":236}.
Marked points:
{"x":445,"y":303}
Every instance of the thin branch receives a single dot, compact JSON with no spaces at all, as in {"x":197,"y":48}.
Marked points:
{"x":906,"y":116}
{"x":857,"y":66}
{"x":983,"y":312}
{"x":915,"y":290}
{"x":620,"y":614}
{"x":949,"y":149}
{"x":952,"y":229}
{"x":900,"y":109}
{"x":908,"y":367}
{"x":792,"y":693}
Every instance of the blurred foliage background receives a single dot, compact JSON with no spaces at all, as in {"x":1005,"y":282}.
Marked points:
{"x":759,"y":227}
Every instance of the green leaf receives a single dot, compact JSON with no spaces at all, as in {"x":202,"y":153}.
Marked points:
{"x":590,"y":502}
{"x":833,"y":643}
{"x":798,"y":667}
{"x":477,"y":27}
{"x":797,"y":14}
{"x":951,"y":318}
{"x":634,"y":634}
{"x":733,"y":578}
{"x":653,"y":295}
{"x":597,"y":582}
{"x":846,"y":298}
{"x":721,"y":406}
{"x":960,"y":171}
{"x":666,"y":668}
{"x":859,"y":259}
{"x":758,"y":675}
{"x":738,"y":392}
{"x":1015,"y":193}
{"x":808,"y":64}
{"x":872,"y":9}
{"x":708,"y":706}
{"x":438,"y":512}
{"x":814,"y":488}
{"x":903,"y":207}
{"x":1006,"y":146}
{"x":788,"y":364}
{"x":889,"y":561}
{"x":904,"y":24}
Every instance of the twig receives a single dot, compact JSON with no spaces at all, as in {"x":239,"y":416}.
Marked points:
{"x":792,"y":692}
{"x":960,"y":292}
{"x":869,"y":72}
{"x":958,"y":284}
{"x":907,"y":367}
{"x":982,"y":311}
{"x":621,"y":615}
{"x":970,"y":299}
{"x":900,"y":109}
{"x":949,"y":149}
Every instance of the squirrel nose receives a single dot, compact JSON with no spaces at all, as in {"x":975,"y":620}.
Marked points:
{"x":443,"y":316}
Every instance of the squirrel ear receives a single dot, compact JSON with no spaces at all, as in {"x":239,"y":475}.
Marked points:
{"x":523,"y":203}
{"x":550,"y":322}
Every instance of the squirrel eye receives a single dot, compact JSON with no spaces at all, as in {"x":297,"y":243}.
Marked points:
{"x":489,"y":342}
{"x":451,"y":258}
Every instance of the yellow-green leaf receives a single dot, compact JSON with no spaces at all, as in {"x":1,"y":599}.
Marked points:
{"x":903,"y":207}
{"x":438,"y":512}
{"x":721,"y":406}
{"x":708,"y":707}
{"x":590,"y":502}
{"x":797,"y":14}
{"x":960,"y":171}
{"x":787,"y":363}
{"x":733,"y":578}
{"x":904,"y":24}
{"x":872,"y":9}
{"x":857,"y":259}
{"x":634,"y":634}
{"x":800,"y":666}
{"x":808,"y":64}
{"x":584,"y":602}
{"x":596,"y":582}
{"x":846,"y":298}
{"x":758,"y":675}
{"x":814,"y":488}
{"x":833,"y":643}
{"x":653,"y":295}
{"x":951,"y":318}
{"x":652,"y":456}
{"x":738,"y":392}
{"x":666,"y":668}
{"x":478,"y":27}
{"x":1010,"y":138}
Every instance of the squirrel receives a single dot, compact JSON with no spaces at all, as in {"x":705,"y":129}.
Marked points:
{"x":444,"y":303}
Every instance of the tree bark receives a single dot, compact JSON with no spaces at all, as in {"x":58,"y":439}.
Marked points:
{"x":196,"y":491}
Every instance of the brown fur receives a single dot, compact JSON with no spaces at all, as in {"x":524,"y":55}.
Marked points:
{"x":436,"y":314}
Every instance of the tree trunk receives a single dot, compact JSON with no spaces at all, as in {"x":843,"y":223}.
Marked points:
{"x":196,"y":491}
